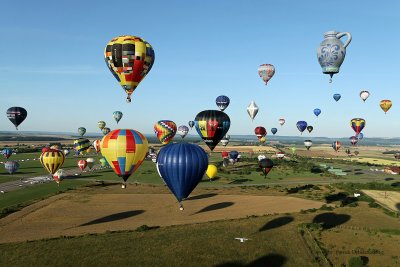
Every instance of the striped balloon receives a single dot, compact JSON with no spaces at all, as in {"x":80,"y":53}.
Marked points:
{"x":81,"y":145}
{"x":124,"y":150}
{"x":165,"y":130}
{"x":96,"y":145}
{"x":52,"y":160}
{"x":336,"y":145}
{"x":11,"y":166}
{"x":357,"y":124}
{"x":82,"y":164}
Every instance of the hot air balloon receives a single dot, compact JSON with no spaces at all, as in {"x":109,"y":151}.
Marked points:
{"x":360,"y":136}
{"x":336,"y":145}
{"x":222,"y":102}
{"x":81,"y":145}
{"x":211,"y":171}
{"x":7,"y":152}
{"x":348,"y":152}
{"x":310,"y":128}
{"x":182,"y":166}
{"x":191,"y":124}
{"x":212,"y":125}
{"x":66,"y":152}
{"x":353,"y":140}
{"x":130,"y":59}
{"x":281,"y":121}
{"x":96,"y":145}
{"x":337,"y":97}
{"x":59,"y":175}
{"x":274,"y":131}
{"x":397,"y":155}
{"x":82,"y":164}
{"x":11,"y":166}
{"x":266,"y":71}
{"x":225,"y":162}
{"x":57,"y":147}
{"x":280,"y":155}
{"x":224,"y":141}
{"x":165,"y":130}
{"x":262,"y":140}
{"x":356,"y":153}
{"x":117,"y":115}
{"x":183,"y":130}
{"x":225,"y":154}
{"x":52,"y":160}
{"x":252,"y":110}
{"x":357,"y":124}
{"x":266,"y":165}
{"x":90,"y":163}
{"x":364,"y":95}
{"x":317,"y":111}
{"x":260,"y":132}
{"x":234,"y":155}
{"x":81,"y":131}
{"x":227,"y":136}
{"x":260,"y":157}
{"x":103,"y":163}
{"x":16,"y":115}
{"x":301,"y":126}
{"x":101,"y":124}
{"x":331,"y":52}
{"x":308,"y":144}
{"x":385,"y":105}
{"x":124,"y":150}
{"x":106,"y":130}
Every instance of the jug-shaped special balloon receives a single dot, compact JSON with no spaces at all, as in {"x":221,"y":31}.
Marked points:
{"x":130,"y":59}
{"x":331,"y":52}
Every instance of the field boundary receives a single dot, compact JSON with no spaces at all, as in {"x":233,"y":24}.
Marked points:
{"x":313,"y":247}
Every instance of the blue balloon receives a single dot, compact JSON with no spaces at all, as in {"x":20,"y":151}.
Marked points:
{"x":301,"y":125}
{"x":360,"y":136}
{"x":317,"y":111}
{"x":6,"y":152}
{"x":337,"y":97}
{"x":274,"y":131}
{"x":222,"y":102}
{"x":182,"y":166}
{"x":233,"y":155}
{"x":11,"y":166}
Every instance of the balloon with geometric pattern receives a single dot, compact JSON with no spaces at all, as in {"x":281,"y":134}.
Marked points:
{"x":130,"y":59}
{"x":357,"y":124}
{"x":124,"y":150}
{"x":165,"y":130}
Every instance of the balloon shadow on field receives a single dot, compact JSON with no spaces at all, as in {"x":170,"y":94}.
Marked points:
{"x":114,"y":217}
{"x":217,"y":206}
{"x":398,"y":206}
{"x":389,"y":179}
{"x":270,"y":260}
{"x":330,"y":220}
{"x":277,"y":222}
{"x":396,"y":184}
{"x":201,"y":196}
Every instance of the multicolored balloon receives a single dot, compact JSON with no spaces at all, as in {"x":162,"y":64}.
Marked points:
{"x":252,"y":110}
{"x":266,"y":165}
{"x":124,"y":150}
{"x":336,"y":145}
{"x":101,"y":124}
{"x":183,"y":130}
{"x":260,"y":132}
{"x":117,"y":115}
{"x":81,"y":131}
{"x":59,"y":175}
{"x":262,"y":140}
{"x":317,"y":111}
{"x":222,"y":102}
{"x":81,"y":145}
{"x":353,"y":140}
{"x":281,"y":121}
{"x":11,"y":166}
{"x":212,"y":125}
{"x":274,"y":131}
{"x":385,"y":105}
{"x":130,"y":59}
{"x":90,"y":163}
{"x":105,"y":130}
{"x":266,"y":72}
{"x":233,"y":155}
{"x":182,"y":166}
{"x":52,"y":160}
{"x":96,"y":145}
{"x":357,"y":124}
{"x":103,"y":163}
{"x":16,"y":115}
{"x":66,"y":152}
{"x":308,"y":144}
{"x":165,"y":130}
{"x":364,"y":95}
{"x":301,"y":126}
{"x":82,"y":164}
{"x":7,"y":152}
{"x":360,"y":136}
{"x":337,"y":97}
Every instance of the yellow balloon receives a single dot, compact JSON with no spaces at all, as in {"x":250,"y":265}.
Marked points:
{"x":52,"y":160}
{"x":262,"y":139}
{"x":211,"y":171}
{"x":385,"y":105}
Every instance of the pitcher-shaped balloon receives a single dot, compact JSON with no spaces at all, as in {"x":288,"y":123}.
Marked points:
{"x":331,"y":52}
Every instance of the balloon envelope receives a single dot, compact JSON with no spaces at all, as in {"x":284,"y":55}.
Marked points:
{"x":7,"y":152}
{"x":130,"y":59}
{"x":317,"y":111}
{"x":222,"y":102}
{"x":364,"y":95}
{"x":165,"y":130}
{"x":81,"y":145}
{"x":101,"y":124}
{"x":252,"y":110}
{"x":82,"y":164}
{"x":16,"y":115}
{"x":117,"y":115}
{"x":182,"y":166}
{"x":274,"y":131}
{"x":265,"y":165}
{"x":211,"y":171}
{"x":105,"y":130}
{"x":11,"y":166}
{"x":212,"y":125}
{"x":385,"y":105}
{"x":301,"y":126}
{"x":260,"y":132}
{"x":183,"y":130}
{"x":308,"y":144}
{"x":81,"y":131}
{"x":90,"y":163}
{"x":310,"y":128}
{"x":52,"y":160}
{"x":336,"y":145}
{"x":337,"y":97}
{"x":266,"y":72}
{"x":191,"y":124}
{"x":357,"y":124}
{"x":124,"y":150}
{"x":282,"y":121}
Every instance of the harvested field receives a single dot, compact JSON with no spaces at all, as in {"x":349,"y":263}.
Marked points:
{"x":389,"y":199}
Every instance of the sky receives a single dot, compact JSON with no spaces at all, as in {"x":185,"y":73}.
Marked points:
{"x":52,"y":64}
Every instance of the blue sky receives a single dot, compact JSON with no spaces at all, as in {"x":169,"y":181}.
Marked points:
{"x":52,"y":63}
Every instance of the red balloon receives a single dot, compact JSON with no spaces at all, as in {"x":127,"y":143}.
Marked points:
{"x":260,"y":132}
{"x":225,"y":154}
